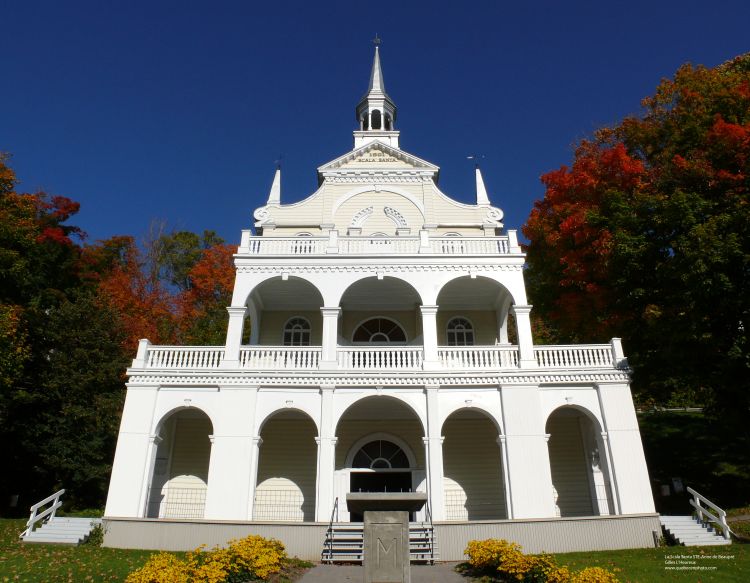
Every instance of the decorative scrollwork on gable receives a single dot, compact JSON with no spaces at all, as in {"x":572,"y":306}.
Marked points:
{"x":494,"y":217}
{"x":395,"y":216}
{"x":262,"y":216}
{"x":361,"y":216}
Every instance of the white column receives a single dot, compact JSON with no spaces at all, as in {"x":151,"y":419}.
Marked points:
{"x":131,"y":469}
{"x":506,"y":481}
{"x":324,"y":491}
{"x":228,"y":493}
{"x":234,"y":337}
{"x":529,"y":475}
{"x":525,"y":341}
{"x":434,"y":454}
{"x":328,"y":358}
{"x":256,"y":442}
{"x":429,"y":337}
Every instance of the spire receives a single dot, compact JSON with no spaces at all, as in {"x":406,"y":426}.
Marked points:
{"x":274,"y":196}
{"x":377,"y":85}
{"x":482,"y":198}
{"x":376,"y":111}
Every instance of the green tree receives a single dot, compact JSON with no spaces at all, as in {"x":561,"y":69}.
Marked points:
{"x":647,"y":236}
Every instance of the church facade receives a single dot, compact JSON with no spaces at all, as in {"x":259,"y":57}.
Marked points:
{"x":379,"y":340}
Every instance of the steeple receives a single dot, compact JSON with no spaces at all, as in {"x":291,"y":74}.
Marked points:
{"x":482,"y":198}
{"x":274,"y":196}
{"x":376,"y":111}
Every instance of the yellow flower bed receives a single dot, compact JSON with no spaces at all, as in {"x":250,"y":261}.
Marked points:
{"x":251,"y":557}
{"x":506,"y":558}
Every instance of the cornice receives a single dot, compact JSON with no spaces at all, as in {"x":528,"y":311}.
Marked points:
{"x":139,"y":377}
{"x":369,"y":267}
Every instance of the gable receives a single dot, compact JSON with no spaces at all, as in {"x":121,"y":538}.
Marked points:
{"x":377,"y":155}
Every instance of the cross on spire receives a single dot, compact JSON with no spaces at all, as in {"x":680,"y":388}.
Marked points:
{"x":376,"y":41}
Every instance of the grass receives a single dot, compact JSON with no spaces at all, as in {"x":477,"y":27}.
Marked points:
{"x":647,"y":565}
{"x":37,"y":563}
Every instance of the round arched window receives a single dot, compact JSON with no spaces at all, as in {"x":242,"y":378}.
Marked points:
{"x":379,"y":331}
{"x":297,"y":332}
{"x":380,"y":455}
{"x":460,"y":332}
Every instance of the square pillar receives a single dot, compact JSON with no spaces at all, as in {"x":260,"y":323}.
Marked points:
{"x":525,"y":341}
{"x":429,"y":337}
{"x":234,"y":337}
{"x":434,"y":455}
{"x":324,"y":490}
{"x":328,"y":358}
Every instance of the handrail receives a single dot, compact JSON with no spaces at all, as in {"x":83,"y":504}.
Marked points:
{"x":432,"y":533}
{"x":329,"y":532}
{"x":720,"y":520}
{"x":34,"y":518}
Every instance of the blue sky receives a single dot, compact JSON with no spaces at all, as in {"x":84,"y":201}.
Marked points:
{"x":176,"y":111}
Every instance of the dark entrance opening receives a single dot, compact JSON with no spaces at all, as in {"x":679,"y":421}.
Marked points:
{"x":379,"y":482}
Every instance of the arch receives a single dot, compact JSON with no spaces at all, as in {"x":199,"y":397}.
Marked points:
{"x":258,"y":285}
{"x":283,"y":410}
{"x":463,"y":280}
{"x":178,"y":480}
{"x":159,"y":425}
{"x":381,"y":188}
{"x":374,"y":327}
{"x":588,"y":413}
{"x":380,"y":435}
{"x":287,"y":468}
{"x":377,"y":119}
{"x":388,"y":122}
{"x":474,"y":474}
{"x":404,"y":293}
{"x":459,"y":331}
{"x":296,"y":332}
{"x":578,"y":463}
{"x":479,"y":407}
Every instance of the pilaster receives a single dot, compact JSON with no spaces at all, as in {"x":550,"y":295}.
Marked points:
{"x":234,"y":336}
{"x":429,"y":337}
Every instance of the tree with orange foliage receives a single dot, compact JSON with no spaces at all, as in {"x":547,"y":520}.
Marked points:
{"x":647,"y":236}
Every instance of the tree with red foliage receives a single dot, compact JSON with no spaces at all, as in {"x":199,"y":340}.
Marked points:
{"x":647,"y":236}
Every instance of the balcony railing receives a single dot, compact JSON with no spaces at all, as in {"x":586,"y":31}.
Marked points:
{"x":361,"y":245}
{"x":377,"y":358}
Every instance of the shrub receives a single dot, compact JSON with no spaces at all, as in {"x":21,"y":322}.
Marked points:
{"x":505,"y":562}
{"x":250,"y":558}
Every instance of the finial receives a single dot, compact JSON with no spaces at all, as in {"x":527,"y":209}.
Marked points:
{"x":278,"y":161}
{"x":376,"y":41}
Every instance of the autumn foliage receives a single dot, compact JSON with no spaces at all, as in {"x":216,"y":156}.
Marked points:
{"x":646,"y":235}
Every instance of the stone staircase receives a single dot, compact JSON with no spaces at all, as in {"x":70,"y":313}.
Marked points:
{"x":688,"y":531}
{"x":62,"y":530}
{"x":345,"y":540}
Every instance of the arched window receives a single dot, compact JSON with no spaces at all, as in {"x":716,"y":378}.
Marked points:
{"x":460,"y":332}
{"x":380,"y":455}
{"x":376,"y":119}
{"x":388,"y":124}
{"x":379,"y":331}
{"x":297,"y":332}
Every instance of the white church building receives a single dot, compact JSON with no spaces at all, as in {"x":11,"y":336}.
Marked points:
{"x":379,"y":340}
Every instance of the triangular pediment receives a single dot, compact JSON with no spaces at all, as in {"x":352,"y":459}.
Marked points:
{"x":377,"y":155}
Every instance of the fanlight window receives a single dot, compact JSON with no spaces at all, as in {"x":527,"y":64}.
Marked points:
{"x":379,"y":331}
{"x":460,"y":332}
{"x":380,"y":455}
{"x":297,"y":332}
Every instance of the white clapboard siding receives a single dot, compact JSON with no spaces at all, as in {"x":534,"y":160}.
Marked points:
{"x":568,"y":465}
{"x":286,"y":471}
{"x":473,"y":477}
{"x":184,"y":493}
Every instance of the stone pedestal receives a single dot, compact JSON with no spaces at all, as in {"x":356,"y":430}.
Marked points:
{"x":386,"y":533}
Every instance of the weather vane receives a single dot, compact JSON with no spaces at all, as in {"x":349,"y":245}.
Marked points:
{"x":278,"y":160}
{"x":376,"y":41}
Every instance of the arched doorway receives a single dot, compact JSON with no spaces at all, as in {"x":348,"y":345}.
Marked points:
{"x":287,"y":468}
{"x":180,"y":473}
{"x":473,"y":476}
{"x":580,"y":478}
{"x":379,"y":449}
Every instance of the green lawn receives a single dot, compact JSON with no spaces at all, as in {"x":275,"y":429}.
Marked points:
{"x":51,"y":563}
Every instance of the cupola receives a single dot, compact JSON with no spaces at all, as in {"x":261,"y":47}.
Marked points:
{"x":376,"y":111}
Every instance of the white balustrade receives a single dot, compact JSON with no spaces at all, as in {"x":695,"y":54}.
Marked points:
{"x":702,"y":505}
{"x":574,"y":356}
{"x":361,"y":245}
{"x":280,"y":357}
{"x":380,"y":358}
{"x":184,"y":356}
{"x":49,"y":513}
{"x":287,"y":245}
{"x":482,"y":357}
{"x":378,"y":245}
{"x":470,"y":245}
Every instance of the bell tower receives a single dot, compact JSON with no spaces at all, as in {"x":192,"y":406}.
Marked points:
{"x":376,"y":111}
